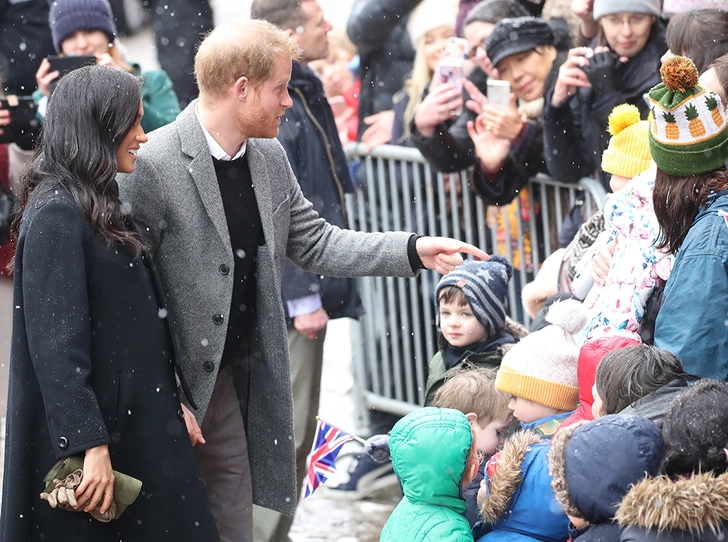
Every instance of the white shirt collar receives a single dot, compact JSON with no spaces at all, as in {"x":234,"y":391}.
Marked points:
{"x":215,"y":149}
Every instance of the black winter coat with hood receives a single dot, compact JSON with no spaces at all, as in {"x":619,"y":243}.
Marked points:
{"x":593,"y":465}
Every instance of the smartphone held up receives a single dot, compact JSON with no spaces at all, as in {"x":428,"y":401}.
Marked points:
{"x":450,"y":66}
{"x":498,"y":92}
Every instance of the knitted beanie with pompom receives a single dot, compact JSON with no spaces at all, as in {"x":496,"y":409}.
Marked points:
{"x":541,"y":367}
{"x":628,"y":153}
{"x":688,"y":134}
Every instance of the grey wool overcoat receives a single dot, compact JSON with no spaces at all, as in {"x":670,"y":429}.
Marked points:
{"x":175,"y":202}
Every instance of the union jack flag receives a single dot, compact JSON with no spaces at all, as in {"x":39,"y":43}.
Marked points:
{"x":326,"y":447}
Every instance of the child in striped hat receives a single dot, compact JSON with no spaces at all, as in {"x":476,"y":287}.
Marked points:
{"x":471,"y":305}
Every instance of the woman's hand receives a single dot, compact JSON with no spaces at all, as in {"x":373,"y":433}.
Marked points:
{"x":477,"y":100}
{"x":437,"y":107}
{"x":106,"y":60}
{"x":44,"y":79}
{"x":584,"y":10}
{"x":491,"y":150}
{"x":571,"y":77}
{"x":97,"y":485}
{"x":504,"y":121}
{"x":193,"y":428}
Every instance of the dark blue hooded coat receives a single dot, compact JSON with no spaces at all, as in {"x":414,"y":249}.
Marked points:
{"x":594,"y":464}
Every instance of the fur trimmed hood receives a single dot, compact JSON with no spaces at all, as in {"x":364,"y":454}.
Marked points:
{"x":696,"y":504}
{"x":506,"y":468}
{"x":594,"y":464}
{"x":519,"y":498}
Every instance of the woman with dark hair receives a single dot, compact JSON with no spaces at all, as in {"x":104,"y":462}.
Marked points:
{"x":620,"y":66}
{"x":689,"y":502}
{"x":92,"y":362}
{"x":689,"y":144}
{"x":701,"y":35}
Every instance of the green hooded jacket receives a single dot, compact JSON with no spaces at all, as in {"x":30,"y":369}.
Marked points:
{"x":429,"y":450}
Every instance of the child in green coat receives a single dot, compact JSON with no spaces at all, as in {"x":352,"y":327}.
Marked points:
{"x":434,"y":452}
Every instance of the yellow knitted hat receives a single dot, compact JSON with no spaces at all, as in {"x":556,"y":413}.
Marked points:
{"x":541,"y":367}
{"x":628,"y":153}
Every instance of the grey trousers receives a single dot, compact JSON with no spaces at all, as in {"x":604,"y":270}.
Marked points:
{"x":224,"y":462}
{"x":307,"y":359}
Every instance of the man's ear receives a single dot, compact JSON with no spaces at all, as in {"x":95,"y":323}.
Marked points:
{"x":290,"y":32}
{"x":242,"y":88}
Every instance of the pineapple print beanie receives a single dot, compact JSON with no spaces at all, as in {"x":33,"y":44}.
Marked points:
{"x":541,"y":367}
{"x":688,"y":134}
{"x":628,"y":153}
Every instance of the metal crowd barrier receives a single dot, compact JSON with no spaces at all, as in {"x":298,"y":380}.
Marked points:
{"x":394,"y":341}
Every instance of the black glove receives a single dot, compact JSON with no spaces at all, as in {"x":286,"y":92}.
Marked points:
{"x":605,"y":74}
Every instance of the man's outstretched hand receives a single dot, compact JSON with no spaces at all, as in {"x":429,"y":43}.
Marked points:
{"x":443,"y":254}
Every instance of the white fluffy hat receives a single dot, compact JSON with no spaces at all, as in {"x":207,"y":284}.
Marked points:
{"x":431,"y":14}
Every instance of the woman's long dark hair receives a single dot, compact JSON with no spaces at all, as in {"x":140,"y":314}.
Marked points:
{"x":677,"y":201}
{"x":90,"y":112}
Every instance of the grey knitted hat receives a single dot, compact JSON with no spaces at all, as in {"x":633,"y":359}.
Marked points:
{"x":69,"y":16}
{"x":485,"y":285}
{"x":610,"y":7}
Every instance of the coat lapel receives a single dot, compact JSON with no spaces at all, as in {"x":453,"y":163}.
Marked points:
{"x":202,"y":170}
{"x":261,"y":186}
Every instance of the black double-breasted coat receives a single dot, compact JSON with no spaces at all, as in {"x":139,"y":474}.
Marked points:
{"x":91,"y":364}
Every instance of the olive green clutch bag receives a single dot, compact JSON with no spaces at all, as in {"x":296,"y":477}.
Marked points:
{"x":126,"y":488}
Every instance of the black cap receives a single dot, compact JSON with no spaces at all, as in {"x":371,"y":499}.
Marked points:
{"x":513,"y":36}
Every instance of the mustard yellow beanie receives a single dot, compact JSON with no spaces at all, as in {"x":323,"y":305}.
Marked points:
{"x":541,"y":367}
{"x":628,"y":153}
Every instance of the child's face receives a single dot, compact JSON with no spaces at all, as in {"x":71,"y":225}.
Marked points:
{"x":597,"y":406}
{"x":490,"y":437}
{"x":526,"y":411}
{"x":459,"y":325}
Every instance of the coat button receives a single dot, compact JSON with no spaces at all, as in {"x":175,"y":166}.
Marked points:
{"x":180,"y":414}
{"x":63,"y":443}
{"x":217,"y":319}
{"x":224,"y":269}
{"x":208,"y":366}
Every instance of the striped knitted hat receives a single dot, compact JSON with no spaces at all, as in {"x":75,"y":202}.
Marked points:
{"x":485,"y":285}
{"x":688,"y":134}
{"x":541,"y":367}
